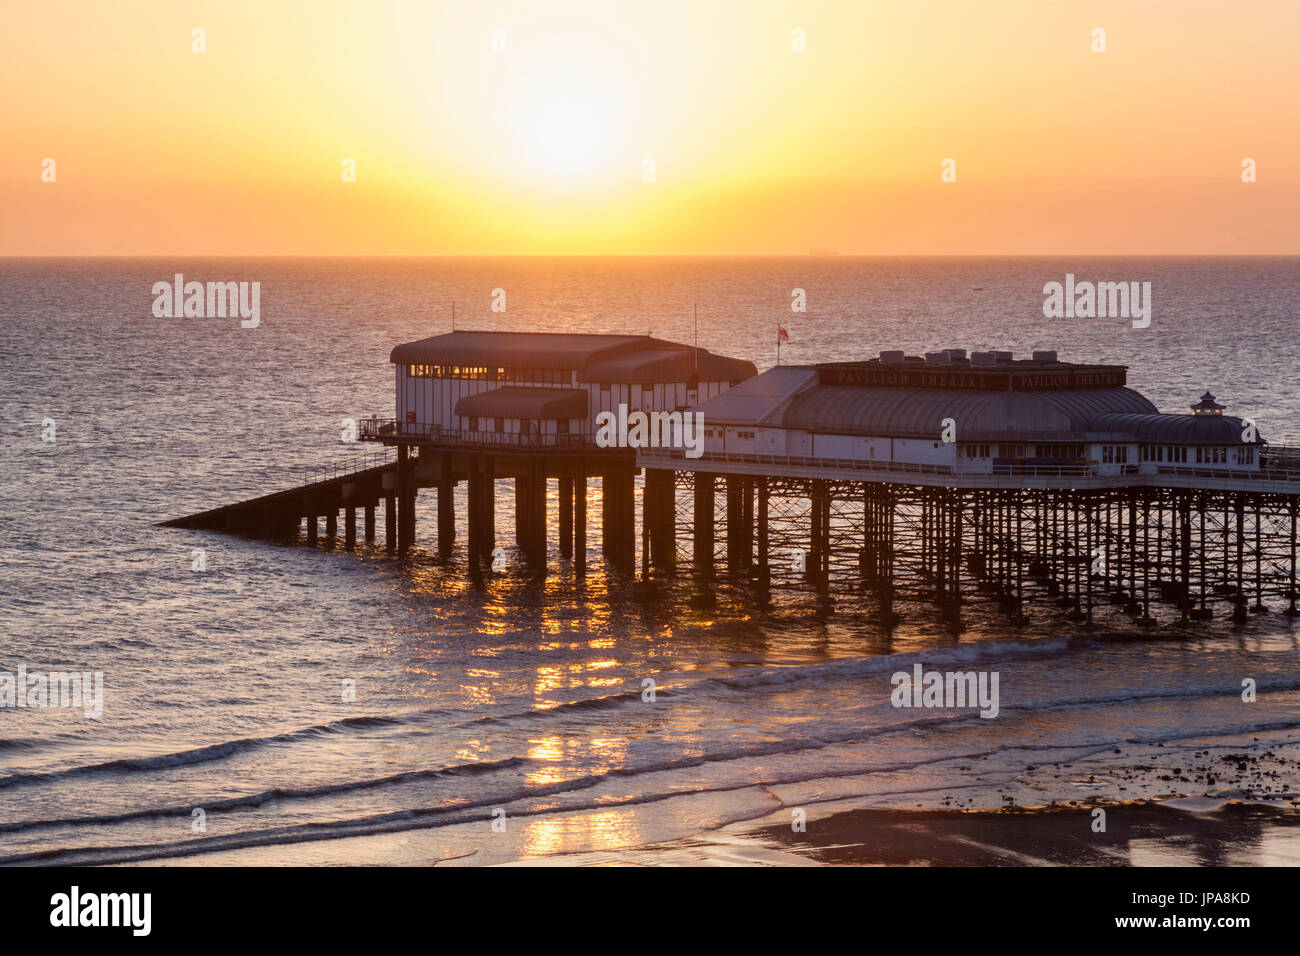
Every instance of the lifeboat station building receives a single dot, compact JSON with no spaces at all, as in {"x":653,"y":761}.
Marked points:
{"x":545,"y":390}
{"x":475,"y":406}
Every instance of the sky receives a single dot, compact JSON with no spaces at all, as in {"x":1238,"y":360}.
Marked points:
{"x":630,"y":127}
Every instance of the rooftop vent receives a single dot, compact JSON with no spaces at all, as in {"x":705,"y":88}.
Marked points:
{"x":1045,"y":356}
{"x":957,"y":354}
{"x":981,"y":358}
{"x":892,"y":356}
{"x":938,"y":358}
{"x":1001,"y":356}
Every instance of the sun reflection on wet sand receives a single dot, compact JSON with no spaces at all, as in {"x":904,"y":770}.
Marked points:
{"x":603,"y":830}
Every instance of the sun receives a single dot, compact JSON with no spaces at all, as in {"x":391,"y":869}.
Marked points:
{"x":564,"y":100}
{"x":565,"y":127}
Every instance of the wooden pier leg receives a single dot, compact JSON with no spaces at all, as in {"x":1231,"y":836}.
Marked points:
{"x":580,"y":524}
{"x":1292,"y":610}
{"x":953,"y":537}
{"x":566,"y":516}
{"x":489,"y":540}
{"x":703,"y":543}
{"x":370,"y":523}
{"x":332,"y":525}
{"x":1239,"y":599}
{"x":647,"y":526}
{"x":446,"y":511}
{"x":403,"y":504}
{"x":625,"y":509}
{"x":668,"y":522}
{"x":1146,"y":620}
{"x":735,"y":523}
{"x":474,"y":517}
{"x":651,"y":531}
{"x":887,"y":508}
{"x":1259,"y":607}
{"x":956,"y":563}
{"x":658,"y":517}
{"x":1203,"y":613}
{"x":407,"y":513}
{"x":867,"y":557}
{"x":1184,"y":555}
{"x":1089,"y":547}
{"x":764,"y":566}
{"x":1133,"y":607}
{"x":350,"y":528}
{"x":812,"y":558}
{"x":942,"y":551}
{"x":311,"y":529}
{"x":818,"y":566}
{"x":627,"y":519}
{"x":825,"y":569}
{"x":390,"y":523}
{"x":1115,"y":526}
{"x":537,"y":515}
{"x":523,"y":500}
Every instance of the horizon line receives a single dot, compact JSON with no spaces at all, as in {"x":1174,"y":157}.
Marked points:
{"x":669,"y":255}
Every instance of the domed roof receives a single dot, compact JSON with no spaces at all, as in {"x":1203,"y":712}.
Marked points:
{"x":1174,"y":429}
{"x":1048,"y":415}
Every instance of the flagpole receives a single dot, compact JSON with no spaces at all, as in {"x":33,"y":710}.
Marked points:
{"x":778,"y":343}
{"x":697,"y":336}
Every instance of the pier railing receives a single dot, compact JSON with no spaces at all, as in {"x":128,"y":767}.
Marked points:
{"x":388,"y":429}
{"x":1286,"y":456}
{"x":361,"y":461}
{"x":902,"y":467}
{"x":1009,"y":471}
{"x":1261,"y":474}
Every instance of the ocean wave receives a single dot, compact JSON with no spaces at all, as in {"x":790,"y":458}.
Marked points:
{"x":423,"y":818}
{"x":990,"y":652}
{"x":210,"y":752}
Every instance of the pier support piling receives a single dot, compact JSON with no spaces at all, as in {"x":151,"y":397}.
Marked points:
{"x":704,"y":514}
{"x":566,"y":516}
{"x":580,"y":524}
{"x":446,"y":511}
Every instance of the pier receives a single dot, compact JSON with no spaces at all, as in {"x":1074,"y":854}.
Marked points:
{"x":1041,"y":487}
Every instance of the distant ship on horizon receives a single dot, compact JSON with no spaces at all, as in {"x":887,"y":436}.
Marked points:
{"x":822,"y":252}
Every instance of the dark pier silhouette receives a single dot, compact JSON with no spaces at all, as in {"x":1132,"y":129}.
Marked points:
{"x":1061,"y":488}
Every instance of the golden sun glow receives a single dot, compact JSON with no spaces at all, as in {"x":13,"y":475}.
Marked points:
{"x":525,"y":128}
{"x":558,"y":107}
{"x":566,"y":127}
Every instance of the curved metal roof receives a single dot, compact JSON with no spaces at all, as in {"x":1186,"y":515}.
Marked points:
{"x":1174,"y":429}
{"x":677,"y":364}
{"x":1059,"y":414}
{"x":516,"y":402}
{"x":758,"y":400}
{"x":516,"y":349}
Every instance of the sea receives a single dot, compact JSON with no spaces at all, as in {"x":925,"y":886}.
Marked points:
{"x":272,"y":703}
